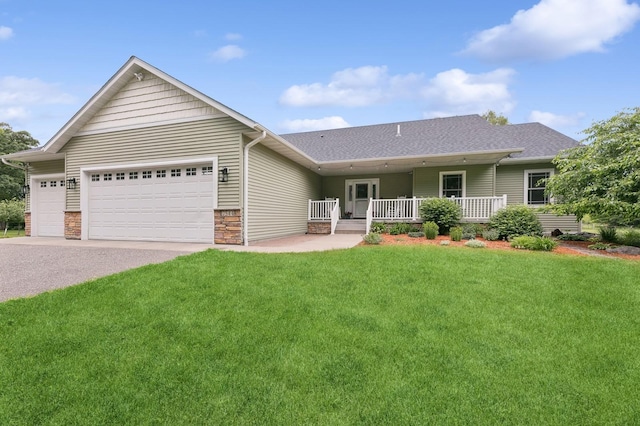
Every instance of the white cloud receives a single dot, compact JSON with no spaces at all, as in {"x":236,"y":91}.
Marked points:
{"x":5,"y":33}
{"x":16,"y":91}
{"x":456,"y":92}
{"x":233,"y":36}
{"x":554,"y":29}
{"x":353,"y":87}
{"x":306,"y":125}
{"x":554,"y":120}
{"x":13,"y":113}
{"x":227,"y":53}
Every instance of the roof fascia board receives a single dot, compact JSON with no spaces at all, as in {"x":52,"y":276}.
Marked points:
{"x":526,"y":160}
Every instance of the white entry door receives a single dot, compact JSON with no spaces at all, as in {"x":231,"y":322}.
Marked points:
{"x":172,"y":203}
{"x":358,"y":193}
{"x":48,"y":205}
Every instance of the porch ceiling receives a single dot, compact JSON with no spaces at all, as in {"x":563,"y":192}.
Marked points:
{"x":407,"y":164}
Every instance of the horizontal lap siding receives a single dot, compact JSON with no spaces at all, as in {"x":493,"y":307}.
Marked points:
{"x":205,"y":138}
{"x":479,"y":180}
{"x":43,"y":168}
{"x":279,"y":191}
{"x":566,"y":223}
{"x":510,"y":180}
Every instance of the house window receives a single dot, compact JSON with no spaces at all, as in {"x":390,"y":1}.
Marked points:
{"x":207,"y":170}
{"x":175,"y":172}
{"x":120,"y":176}
{"x":161,"y":173}
{"x":453,"y":184}
{"x":133,"y":175}
{"x":191,"y":171}
{"x":146,"y":174}
{"x":95,"y":178}
{"x":534,"y":186}
{"x":107,"y":176}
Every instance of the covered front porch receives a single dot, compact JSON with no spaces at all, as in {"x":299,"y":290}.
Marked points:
{"x":474,"y":209}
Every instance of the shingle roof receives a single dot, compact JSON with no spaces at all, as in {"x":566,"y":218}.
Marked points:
{"x":451,"y":135}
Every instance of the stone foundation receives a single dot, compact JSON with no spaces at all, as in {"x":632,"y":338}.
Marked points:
{"x":318,"y":227}
{"x":72,"y":225}
{"x":227,"y":226}
{"x":27,"y":224}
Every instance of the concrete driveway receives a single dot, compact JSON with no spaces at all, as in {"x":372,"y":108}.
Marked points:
{"x":33,"y":265}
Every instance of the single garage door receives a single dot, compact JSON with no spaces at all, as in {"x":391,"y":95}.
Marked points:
{"x":49,"y":208}
{"x":156,"y":204}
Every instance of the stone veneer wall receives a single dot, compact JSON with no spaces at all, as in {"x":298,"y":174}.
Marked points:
{"x":27,"y":224}
{"x":227,"y":226}
{"x":318,"y":227}
{"x":72,"y":225}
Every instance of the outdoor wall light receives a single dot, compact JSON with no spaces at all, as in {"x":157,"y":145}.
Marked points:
{"x":223,"y":176}
{"x":25,"y":189}
{"x":71,"y":183}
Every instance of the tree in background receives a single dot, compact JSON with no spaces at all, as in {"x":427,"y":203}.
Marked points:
{"x":601,"y":176}
{"x":12,"y":179}
{"x":11,"y":214}
{"x":494,"y":118}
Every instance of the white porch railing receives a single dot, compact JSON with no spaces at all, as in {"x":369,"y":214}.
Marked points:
{"x":325,"y":210}
{"x":407,"y":209}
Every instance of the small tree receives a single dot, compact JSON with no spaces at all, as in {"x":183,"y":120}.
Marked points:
{"x":444,"y":212}
{"x":11,"y":213}
{"x":494,"y":118}
{"x":601,"y":177}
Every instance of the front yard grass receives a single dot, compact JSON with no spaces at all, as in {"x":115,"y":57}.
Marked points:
{"x":371,"y":335}
{"x":11,"y":233}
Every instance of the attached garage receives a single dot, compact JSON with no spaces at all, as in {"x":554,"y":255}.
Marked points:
{"x":171,"y":202}
{"x":47,"y":206}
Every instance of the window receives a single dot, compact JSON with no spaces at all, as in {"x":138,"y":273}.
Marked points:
{"x":53,"y":183}
{"x":175,"y":172}
{"x":120,"y":176}
{"x":146,"y":174}
{"x":534,"y":187}
{"x":207,"y":170}
{"x":161,"y":173}
{"x":43,"y":184}
{"x":452,"y":184}
{"x":191,"y":171}
{"x":106,"y":176}
{"x":133,"y":175}
{"x":61,"y":183}
{"x":95,"y":178}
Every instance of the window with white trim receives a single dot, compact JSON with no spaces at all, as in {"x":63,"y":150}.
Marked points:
{"x":207,"y":170}
{"x":53,"y":183}
{"x":43,"y":184}
{"x":175,"y":172}
{"x":190,"y":171}
{"x":120,"y":176}
{"x":161,"y":173}
{"x":146,"y":174}
{"x":534,"y":187}
{"x":453,"y":184}
{"x":95,"y":178}
{"x":107,"y":176}
{"x":133,"y":175}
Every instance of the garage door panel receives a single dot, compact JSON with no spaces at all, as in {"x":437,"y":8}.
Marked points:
{"x":49,"y":208}
{"x":158,"y":208}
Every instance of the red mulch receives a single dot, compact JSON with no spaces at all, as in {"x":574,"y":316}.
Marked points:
{"x":576,"y":248}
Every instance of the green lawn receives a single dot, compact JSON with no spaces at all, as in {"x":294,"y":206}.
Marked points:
{"x":11,"y":233}
{"x":371,"y":335}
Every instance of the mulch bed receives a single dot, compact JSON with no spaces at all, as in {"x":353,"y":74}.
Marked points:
{"x":575,"y":248}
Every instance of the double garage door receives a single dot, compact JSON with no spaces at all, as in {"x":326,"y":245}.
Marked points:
{"x":173,"y":203}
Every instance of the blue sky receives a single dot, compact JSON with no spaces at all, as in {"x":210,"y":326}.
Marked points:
{"x":295,"y":66}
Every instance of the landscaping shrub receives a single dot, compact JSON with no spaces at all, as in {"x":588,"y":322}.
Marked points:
{"x":490,"y":235}
{"x":400,"y":228}
{"x":608,"y":234}
{"x":468,"y":231}
{"x":530,"y":242}
{"x":378,"y":228}
{"x":430,"y":230}
{"x":516,"y":220}
{"x":572,"y":237}
{"x":416,"y":234}
{"x":599,"y":246}
{"x":442,"y":211}
{"x":372,"y":238}
{"x":456,"y":233}
{"x":415,"y":228}
{"x":445,"y":242}
{"x":631,"y":238}
{"x":475,"y":244}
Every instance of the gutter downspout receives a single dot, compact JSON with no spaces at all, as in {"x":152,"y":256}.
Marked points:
{"x":15,"y":166}
{"x":245,"y":188}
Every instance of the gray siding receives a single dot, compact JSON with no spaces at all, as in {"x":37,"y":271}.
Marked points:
{"x":564,"y":223}
{"x":510,"y":180}
{"x":479,"y":180}
{"x":279,"y":191}
{"x":219,"y":137}
{"x":43,"y":168}
{"x":391,"y":185}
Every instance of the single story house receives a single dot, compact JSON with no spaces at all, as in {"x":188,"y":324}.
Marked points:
{"x":150,"y":158}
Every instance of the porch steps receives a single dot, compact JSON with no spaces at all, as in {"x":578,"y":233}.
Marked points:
{"x":351,"y":226}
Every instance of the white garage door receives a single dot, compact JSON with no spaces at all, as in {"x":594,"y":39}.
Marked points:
{"x":49,"y":208}
{"x":156,"y":204}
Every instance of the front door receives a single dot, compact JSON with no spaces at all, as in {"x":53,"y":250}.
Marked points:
{"x":358,"y":194}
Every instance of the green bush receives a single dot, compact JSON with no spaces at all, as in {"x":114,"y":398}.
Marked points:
{"x":445,"y":242}
{"x":416,"y":234}
{"x":516,"y":220}
{"x":378,"y":228}
{"x":415,"y":228}
{"x":469,"y":231}
{"x":608,"y":234}
{"x":475,"y":244}
{"x":430,"y":230}
{"x":631,"y":238}
{"x":529,"y":242}
{"x":12,"y":214}
{"x":372,"y":238}
{"x":490,"y":235}
{"x":442,"y":211}
{"x":400,"y":228}
{"x":455,"y":233}
{"x":599,"y":246}
{"x":572,"y":237}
